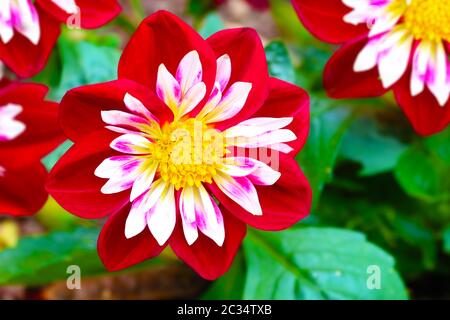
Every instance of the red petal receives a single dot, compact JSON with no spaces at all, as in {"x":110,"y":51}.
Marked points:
{"x":80,"y":107}
{"x":341,"y":81}
{"x":93,"y":14}
{"x":164,"y":38}
{"x":288,"y":100}
{"x":25,"y":58}
{"x":118,"y":252}
{"x":248,"y":64}
{"x":42,"y":133}
{"x":22,"y":192}
{"x":75,"y":187}
{"x":204,"y":255}
{"x":283,"y":204}
{"x":325,"y":20}
{"x":423,"y":111}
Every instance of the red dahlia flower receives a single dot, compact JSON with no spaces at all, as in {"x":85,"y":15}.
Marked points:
{"x":175,"y":151}
{"x":387,"y":44}
{"x":29,"y":29}
{"x":28,"y":131}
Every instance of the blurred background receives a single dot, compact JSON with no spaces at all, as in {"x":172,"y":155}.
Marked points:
{"x":381,"y":193}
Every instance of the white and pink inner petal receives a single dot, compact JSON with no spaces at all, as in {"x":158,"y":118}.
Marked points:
{"x":19,"y":16}
{"x":10,"y":127}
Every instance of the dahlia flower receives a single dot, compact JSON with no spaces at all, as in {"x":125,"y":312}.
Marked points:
{"x":193,"y":142}
{"x":28,"y":131}
{"x":29,"y":29}
{"x":387,"y":44}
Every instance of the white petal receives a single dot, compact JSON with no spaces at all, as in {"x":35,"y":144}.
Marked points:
{"x":187,"y":212}
{"x":368,"y":57}
{"x":263,"y":140}
{"x":143,"y":181}
{"x":69,"y":6}
{"x":124,"y":177}
{"x":131,"y":143}
{"x":239,"y":166}
{"x":257,"y":171}
{"x":168,"y":88}
{"x":281,"y":147}
{"x":223,"y":71}
{"x":161,"y":218}
{"x":10,"y":128}
{"x":29,"y":21}
{"x":122,"y":130}
{"x":189,"y":72}
{"x":394,"y":58}
{"x":264,"y":175}
{"x":192,"y":98}
{"x":420,"y":67}
{"x":113,"y":166}
{"x":153,"y":195}
{"x":136,"y":106}
{"x":213,"y":101}
{"x":241,"y":191}
{"x":6,"y":27}
{"x":232,"y":102}
{"x":136,"y":220}
{"x":209,"y":218}
{"x":257,"y":126}
{"x":438,"y":69}
{"x":120,"y":118}
{"x":384,"y":23}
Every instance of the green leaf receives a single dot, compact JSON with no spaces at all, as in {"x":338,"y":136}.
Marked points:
{"x":79,"y":62}
{"x":377,"y":152}
{"x":279,"y":62}
{"x":231,"y":285}
{"x":439,"y":144}
{"x":210,"y":25}
{"x":446,"y":239}
{"x":417,"y":235}
{"x":318,"y":263}
{"x":39,"y":260}
{"x":43,"y":259}
{"x":329,"y":122}
{"x":423,"y":175}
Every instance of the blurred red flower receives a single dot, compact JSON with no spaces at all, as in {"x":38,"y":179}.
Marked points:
{"x":28,"y":131}
{"x":174,"y":90}
{"x":401,"y":45}
{"x":29,"y":29}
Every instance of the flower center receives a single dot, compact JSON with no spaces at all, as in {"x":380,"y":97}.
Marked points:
{"x":189,"y":152}
{"x":429,"y":19}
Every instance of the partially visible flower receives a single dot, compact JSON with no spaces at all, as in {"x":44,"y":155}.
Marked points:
{"x":28,"y":131}
{"x":193,"y":142}
{"x":29,"y":29}
{"x":401,"y":45}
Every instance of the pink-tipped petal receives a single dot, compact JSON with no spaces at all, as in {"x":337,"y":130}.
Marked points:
{"x":135,"y":105}
{"x":131,"y":143}
{"x":241,"y":191}
{"x":232,"y":102}
{"x":167,"y":88}
{"x":223,"y":71}
{"x":189,"y":72}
